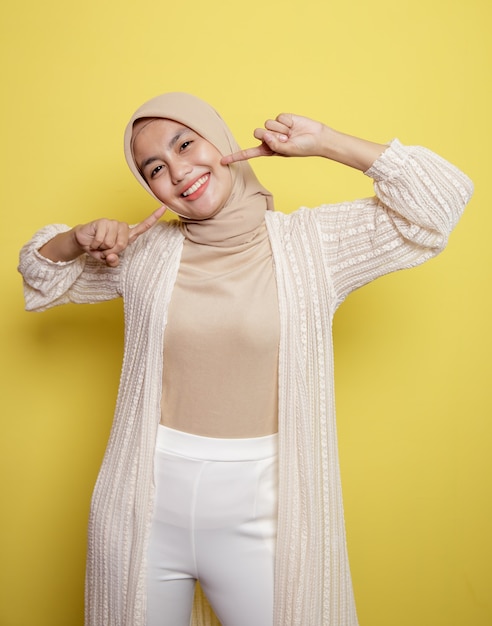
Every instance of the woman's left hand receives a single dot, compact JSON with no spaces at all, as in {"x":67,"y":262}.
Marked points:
{"x":286,"y":135}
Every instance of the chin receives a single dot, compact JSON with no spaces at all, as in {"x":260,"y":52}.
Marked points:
{"x":198,"y":217}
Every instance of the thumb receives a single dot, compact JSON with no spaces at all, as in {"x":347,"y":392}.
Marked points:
{"x":275,"y":141}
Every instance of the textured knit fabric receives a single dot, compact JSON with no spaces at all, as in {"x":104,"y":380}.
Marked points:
{"x":320,"y":256}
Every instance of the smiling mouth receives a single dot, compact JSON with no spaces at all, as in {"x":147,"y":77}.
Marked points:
{"x":196,"y":185}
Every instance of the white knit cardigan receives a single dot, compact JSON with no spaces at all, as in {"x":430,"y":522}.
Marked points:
{"x":320,"y":255}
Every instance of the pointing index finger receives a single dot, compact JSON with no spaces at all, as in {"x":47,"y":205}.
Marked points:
{"x":249,"y":153}
{"x":147,"y":224}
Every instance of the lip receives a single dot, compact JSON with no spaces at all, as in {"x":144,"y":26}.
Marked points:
{"x":200,"y":191}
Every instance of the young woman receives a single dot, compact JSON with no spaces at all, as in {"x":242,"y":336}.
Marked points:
{"x":222,"y":464}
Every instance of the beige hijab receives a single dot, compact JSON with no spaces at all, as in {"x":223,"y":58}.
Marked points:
{"x":240,"y":217}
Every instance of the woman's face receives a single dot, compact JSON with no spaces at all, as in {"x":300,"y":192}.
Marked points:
{"x":181,"y":168}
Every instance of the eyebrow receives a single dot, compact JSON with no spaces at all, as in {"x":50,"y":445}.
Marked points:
{"x":171,"y":144}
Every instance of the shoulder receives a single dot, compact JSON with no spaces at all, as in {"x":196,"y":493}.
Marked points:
{"x":159,"y":246}
{"x":163,"y":234}
{"x":301,"y":229}
{"x":301,"y":219}
{"x":282,"y":221}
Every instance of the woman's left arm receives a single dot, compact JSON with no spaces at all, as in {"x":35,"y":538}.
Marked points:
{"x":419,"y":199}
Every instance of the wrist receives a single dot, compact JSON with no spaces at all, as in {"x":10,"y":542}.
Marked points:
{"x":63,"y":247}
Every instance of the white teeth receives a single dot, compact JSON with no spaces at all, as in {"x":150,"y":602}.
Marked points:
{"x":195,"y":186}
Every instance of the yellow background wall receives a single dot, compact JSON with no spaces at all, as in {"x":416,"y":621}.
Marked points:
{"x":413,"y":349}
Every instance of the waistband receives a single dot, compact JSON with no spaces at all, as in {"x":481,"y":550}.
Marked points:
{"x":215,"y":449}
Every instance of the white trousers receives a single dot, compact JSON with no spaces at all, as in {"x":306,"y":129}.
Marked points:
{"x":215,"y":520}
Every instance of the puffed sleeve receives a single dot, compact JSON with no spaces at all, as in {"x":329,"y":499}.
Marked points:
{"x":419,"y":199}
{"x":48,"y":283}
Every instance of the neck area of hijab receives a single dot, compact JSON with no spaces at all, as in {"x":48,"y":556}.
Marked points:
{"x":241,"y":219}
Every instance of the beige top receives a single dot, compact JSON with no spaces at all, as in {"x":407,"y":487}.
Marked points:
{"x":221,"y":341}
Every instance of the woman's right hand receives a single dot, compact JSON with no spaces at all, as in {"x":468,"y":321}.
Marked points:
{"x":102,"y":239}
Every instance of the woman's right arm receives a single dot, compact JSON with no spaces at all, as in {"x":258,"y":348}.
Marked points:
{"x":80,"y":265}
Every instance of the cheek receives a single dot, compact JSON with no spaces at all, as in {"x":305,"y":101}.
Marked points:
{"x":160,"y":190}
{"x":225,"y":177}
{"x":228,"y":186}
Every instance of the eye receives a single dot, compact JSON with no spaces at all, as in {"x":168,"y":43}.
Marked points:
{"x":156,"y":170}
{"x":185,"y":145}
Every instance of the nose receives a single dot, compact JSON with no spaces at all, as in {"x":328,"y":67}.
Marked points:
{"x":178,"y":170}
